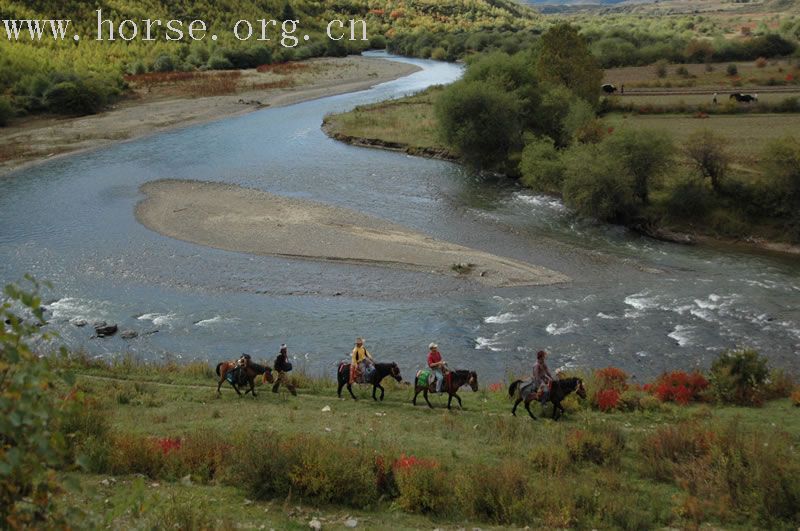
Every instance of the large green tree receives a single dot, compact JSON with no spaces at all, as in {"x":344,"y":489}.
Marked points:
{"x":646,"y":154}
{"x":565,"y":59}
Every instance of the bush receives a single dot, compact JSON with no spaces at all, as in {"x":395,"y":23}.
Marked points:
{"x":378,"y":42}
{"x":541,"y":166}
{"x":33,"y":448}
{"x":732,"y":70}
{"x":480,"y":120}
{"x":679,"y":387}
{"x":219,"y":62}
{"x":782,"y":168}
{"x":597,"y":185}
{"x":164,"y":63}
{"x":671,"y":447}
{"x":688,"y":198}
{"x":607,"y":399}
{"x":710,"y":156}
{"x":596,"y":445}
{"x":422,"y":486}
{"x":661,"y":68}
{"x":6,"y":111}
{"x":646,"y":155}
{"x":796,"y":398}
{"x":76,"y":97}
{"x":738,"y":377}
{"x":501,"y":495}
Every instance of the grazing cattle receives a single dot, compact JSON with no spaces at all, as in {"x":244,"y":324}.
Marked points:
{"x":609,"y":89}
{"x":744,"y":98}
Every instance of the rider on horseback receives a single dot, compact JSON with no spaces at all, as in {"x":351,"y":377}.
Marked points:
{"x":360,"y":359}
{"x":542,"y":377}
{"x":437,"y":366}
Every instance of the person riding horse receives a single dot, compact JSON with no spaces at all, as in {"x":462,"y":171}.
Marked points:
{"x":437,"y":366}
{"x":360,"y":359}
{"x":542,"y":377}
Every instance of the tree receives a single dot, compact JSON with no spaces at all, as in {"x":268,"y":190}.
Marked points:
{"x":782,"y":168}
{"x":565,"y":59}
{"x":645,"y":154}
{"x":597,"y":185}
{"x":541,"y":166}
{"x":708,"y":154}
{"x":288,"y":12}
{"x":480,"y":120}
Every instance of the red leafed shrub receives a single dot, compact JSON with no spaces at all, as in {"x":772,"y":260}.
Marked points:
{"x":410,"y":461}
{"x":679,"y":387}
{"x":608,"y":399}
{"x":495,"y":387}
{"x":168,"y":444}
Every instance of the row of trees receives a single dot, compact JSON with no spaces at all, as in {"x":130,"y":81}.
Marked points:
{"x":534,"y":114}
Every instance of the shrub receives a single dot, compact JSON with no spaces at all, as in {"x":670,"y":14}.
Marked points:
{"x":596,"y":445}
{"x":500,"y":494}
{"x":219,"y":62}
{"x":709,"y":155}
{"x":646,"y":154}
{"x":422,"y":486}
{"x":670,"y":447}
{"x":565,"y":59}
{"x":682,"y":71}
{"x":480,"y":120}
{"x":377,"y":42}
{"x":779,"y":384}
{"x":661,"y":68}
{"x":761,"y":62}
{"x":679,"y":387}
{"x":732,"y":70}
{"x":31,"y":449}
{"x":597,"y":185}
{"x":738,"y":377}
{"x":607,"y":399}
{"x":164,"y":63}
{"x":796,"y":398}
{"x":6,"y":111}
{"x":611,"y":378}
{"x":782,"y":168}
{"x":541,"y":166}
{"x":688,"y":198}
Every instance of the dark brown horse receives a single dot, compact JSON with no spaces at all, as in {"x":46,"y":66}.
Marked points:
{"x":381,"y":371}
{"x":452,"y":383}
{"x":558,"y":391}
{"x":245,"y":374}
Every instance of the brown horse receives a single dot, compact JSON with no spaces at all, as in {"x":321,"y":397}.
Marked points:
{"x":452,"y":383}
{"x":558,"y":391}
{"x":242,"y":375}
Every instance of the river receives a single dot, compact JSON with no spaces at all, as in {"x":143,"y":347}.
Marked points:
{"x":639,"y":304}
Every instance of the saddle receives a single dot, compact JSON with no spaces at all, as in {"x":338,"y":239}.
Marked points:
{"x":236,"y":376}
{"x":425,"y":378}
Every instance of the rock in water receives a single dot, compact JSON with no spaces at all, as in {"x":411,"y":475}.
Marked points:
{"x":99,"y":324}
{"x":106,"y":330}
{"x":79,"y":322}
{"x":128,"y":334}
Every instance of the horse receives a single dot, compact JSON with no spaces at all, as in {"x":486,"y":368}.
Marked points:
{"x":452,"y":382}
{"x":381,"y":371}
{"x":558,"y":391}
{"x":247,"y":375}
{"x":744,"y":98}
{"x":609,"y":88}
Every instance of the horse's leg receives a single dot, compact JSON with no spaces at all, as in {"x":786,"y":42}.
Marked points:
{"x":416,"y":392}
{"x":220,"y":385}
{"x":350,"y":388}
{"x":253,"y":387}
{"x":449,"y":399}
{"x":459,"y":400}
{"x":528,"y":407}
{"x":375,"y":387}
{"x":425,"y":394}
{"x":339,"y":390}
{"x":556,"y":405}
{"x":514,"y":409}
{"x":382,"y":391}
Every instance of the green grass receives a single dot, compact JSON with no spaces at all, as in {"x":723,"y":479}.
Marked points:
{"x":482,"y":455}
{"x":408,"y":121}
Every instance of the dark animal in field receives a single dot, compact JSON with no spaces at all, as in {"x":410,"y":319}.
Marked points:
{"x":744,"y":98}
{"x":558,"y":391}
{"x":452,"y":383}
{"x":609,"y":88}
{"x":381,"y":371}
{"x":242,"y":375}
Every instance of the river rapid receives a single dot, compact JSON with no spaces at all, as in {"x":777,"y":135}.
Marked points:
{"x":639,"y":304}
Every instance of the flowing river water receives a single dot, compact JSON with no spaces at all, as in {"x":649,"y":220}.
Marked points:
{"x":632,"y":302}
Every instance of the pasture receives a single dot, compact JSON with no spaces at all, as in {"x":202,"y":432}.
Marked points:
{"x":608,"y":457}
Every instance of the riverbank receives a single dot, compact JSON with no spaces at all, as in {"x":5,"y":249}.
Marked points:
{"x":156,"y":431}
{"x":409,"y":125}
{"x":160,"y":102}
{"x":244,"y":220}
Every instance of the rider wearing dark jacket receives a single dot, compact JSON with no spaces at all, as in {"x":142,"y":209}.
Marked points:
{"x":282,"y":366}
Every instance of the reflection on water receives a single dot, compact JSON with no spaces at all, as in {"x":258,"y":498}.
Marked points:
{"x":636,"y":303}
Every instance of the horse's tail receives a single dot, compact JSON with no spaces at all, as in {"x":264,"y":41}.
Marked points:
{"x":218,"y":366}
{"x":513,"y":387}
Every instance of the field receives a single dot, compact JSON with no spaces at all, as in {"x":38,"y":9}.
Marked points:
{"x":170,"y":403}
